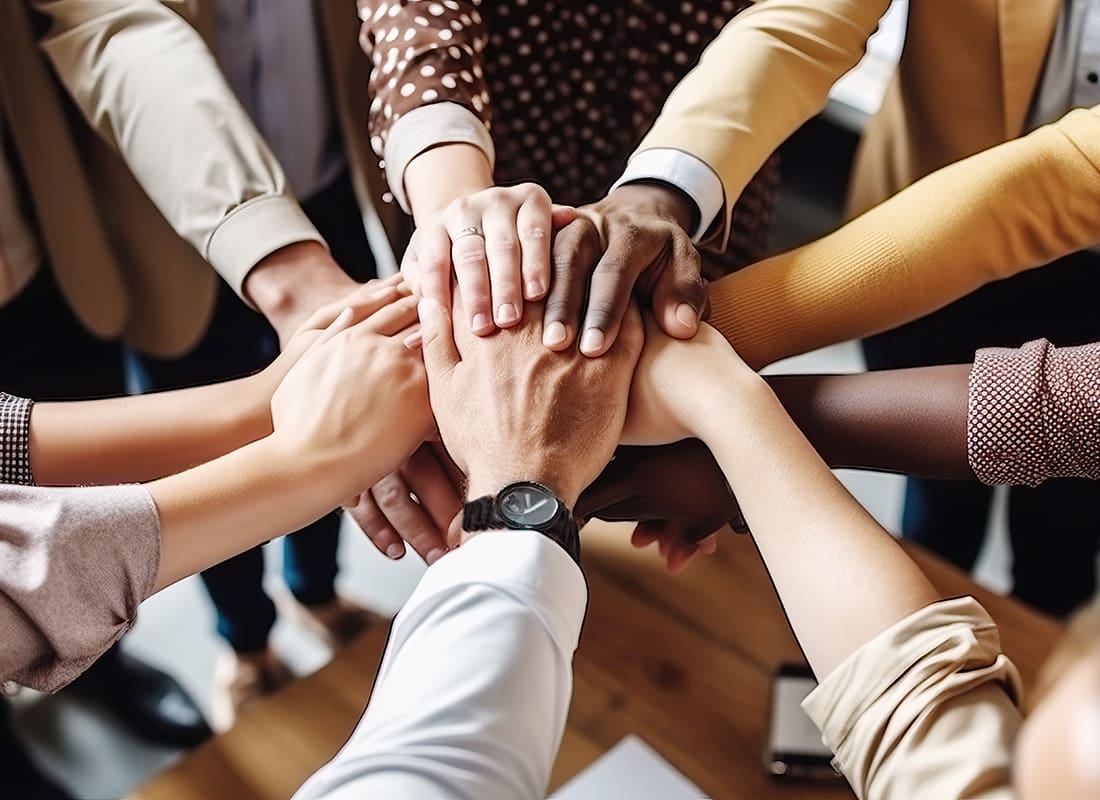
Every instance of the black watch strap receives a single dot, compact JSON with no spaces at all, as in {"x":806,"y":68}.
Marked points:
{"x":483,"y":514}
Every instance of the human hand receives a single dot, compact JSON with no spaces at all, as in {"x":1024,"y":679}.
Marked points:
{"x":364,"y":300}
{"x":355,"y":404}
{"x":633,"y":242}
{"x":415,"y":503}
{"x":676,"y":493}
{"x":508,"y":409}
{"x":679,"y":383}
{"x":498,"y":241}
{"x":290,"y":284}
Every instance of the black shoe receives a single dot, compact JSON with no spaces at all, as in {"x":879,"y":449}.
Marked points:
{"x":150,"y":702}
{"x":20,"y":775}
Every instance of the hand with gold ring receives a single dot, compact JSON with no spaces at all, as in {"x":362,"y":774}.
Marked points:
{"x":496,"y":243}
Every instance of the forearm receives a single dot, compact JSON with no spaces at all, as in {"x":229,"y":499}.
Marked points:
{"x":841,"y":578}
{"x":478,"y":666}
{"x":148,"y":86}
{"x":445,"y":173}
{"x":242,"y":499}
{"x":785,"y":56}
{"x":1016,"y":206}
{"x":130,"y":439}
{"x":912,"y":421}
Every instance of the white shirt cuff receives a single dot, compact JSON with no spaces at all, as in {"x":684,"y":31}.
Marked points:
{"x":424,"y":128}
{"x":691,"y":175}
{"x":527,"y":565}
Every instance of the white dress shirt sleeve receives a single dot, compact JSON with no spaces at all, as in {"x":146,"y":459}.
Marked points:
{"x":691,"y":175}
{"x":474,"y":688}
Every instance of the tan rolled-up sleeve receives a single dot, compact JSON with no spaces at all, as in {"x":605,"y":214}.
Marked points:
{"x":929,"y":708}
{"x":149,"y":86}
{"x":75,"y":564}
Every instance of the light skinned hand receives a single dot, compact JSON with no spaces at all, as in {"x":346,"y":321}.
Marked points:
{"x":633,"y":243}
{"x":508,"y":409}
{"x":674,"y":380}
{"x":505,"y":263}
{"x":358,"y":396}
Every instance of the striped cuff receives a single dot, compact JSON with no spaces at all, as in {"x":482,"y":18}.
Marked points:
{"x":15,"y":440}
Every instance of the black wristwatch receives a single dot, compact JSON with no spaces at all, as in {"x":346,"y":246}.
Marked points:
{"x":525,"y":506}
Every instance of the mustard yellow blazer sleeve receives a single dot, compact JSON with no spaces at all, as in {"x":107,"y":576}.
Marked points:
{"x":149,"y":86}
{"x":1013,"y":207}
{"x":768,"y":72}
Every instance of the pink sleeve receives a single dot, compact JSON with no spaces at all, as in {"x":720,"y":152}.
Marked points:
{"x":75,"y":564}
{"x":1034,"y":413}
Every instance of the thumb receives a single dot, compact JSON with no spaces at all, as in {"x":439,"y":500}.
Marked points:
{"x":440,"y":353}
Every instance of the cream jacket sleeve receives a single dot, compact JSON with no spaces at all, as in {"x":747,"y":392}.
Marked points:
{"x":768,"y":72}
{"x":149,"y":86}
{"x":928,"y":708}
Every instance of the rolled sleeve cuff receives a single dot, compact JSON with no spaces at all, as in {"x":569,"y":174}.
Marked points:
{"x":427,"y":127}
{"x":525,"y":564}
{"x":885,"y":697}
{"x":254,"y":230}
{"x":691,"y":175}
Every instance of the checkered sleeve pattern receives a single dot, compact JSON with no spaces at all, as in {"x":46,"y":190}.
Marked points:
{"x":1034,"y":413}
{"x":15,"y":430}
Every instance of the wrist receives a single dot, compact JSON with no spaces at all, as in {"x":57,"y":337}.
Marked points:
{"x":664,"y":198}
{"x":438,"y":176}
{"x":292,"y":282}
{"x":489,"y":481}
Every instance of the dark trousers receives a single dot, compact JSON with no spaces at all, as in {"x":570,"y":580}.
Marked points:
{"x":238,"y":342}
{"x":1054,"y":528}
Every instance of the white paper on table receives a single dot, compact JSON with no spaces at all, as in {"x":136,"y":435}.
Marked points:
{"x":631,"y":769}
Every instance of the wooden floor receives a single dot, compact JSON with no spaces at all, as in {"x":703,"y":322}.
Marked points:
{"x":685,"y":662}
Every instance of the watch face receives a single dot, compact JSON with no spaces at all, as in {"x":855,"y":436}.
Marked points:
{"x":528,"y":505}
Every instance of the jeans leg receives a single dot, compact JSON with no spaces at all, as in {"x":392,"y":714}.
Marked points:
{"x":245,"y":614}
{"x":1055,"y":532}
{"x":309,"y":560}
{"x":947,"y":517}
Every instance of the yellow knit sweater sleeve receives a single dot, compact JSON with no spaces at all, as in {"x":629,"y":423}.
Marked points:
{"x":1013,"y":207}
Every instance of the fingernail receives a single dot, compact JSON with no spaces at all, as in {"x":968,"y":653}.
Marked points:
{"x":342,"y":318}
{"x":687,"y":315}
{"x":414,"y":341}
{"x":434,"y":555}
{"x":481,"y":323}
{"x":535,"y":289}
{"x":395,"y":550}
{"x":507,"y":313}
{"x":592,"y":341}
{"x":554,"y":334}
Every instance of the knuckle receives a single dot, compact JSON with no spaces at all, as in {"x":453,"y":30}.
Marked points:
{"x":534,"y":233}
{"x":503,"y":246}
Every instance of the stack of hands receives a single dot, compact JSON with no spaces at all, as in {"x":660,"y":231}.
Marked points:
{"x":527,"y":372}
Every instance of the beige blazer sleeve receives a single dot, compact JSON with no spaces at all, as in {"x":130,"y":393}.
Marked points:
{"x":146,"y":82}
{"x":768,"y":72}
{"x":75,"y":564}
{"x":928,"y":708}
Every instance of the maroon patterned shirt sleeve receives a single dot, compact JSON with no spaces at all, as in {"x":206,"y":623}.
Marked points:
{"x":422,"y":53}
{"x":1034,"y":413}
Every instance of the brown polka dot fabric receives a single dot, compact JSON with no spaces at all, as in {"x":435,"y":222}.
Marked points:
{"x":568,"y":88}
{"x":1034,"y":414}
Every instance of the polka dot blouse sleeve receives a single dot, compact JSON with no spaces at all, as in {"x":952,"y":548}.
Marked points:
{"x":15,"y":425}
{"x":427,"y":84}
{"x":1034,"y":413}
